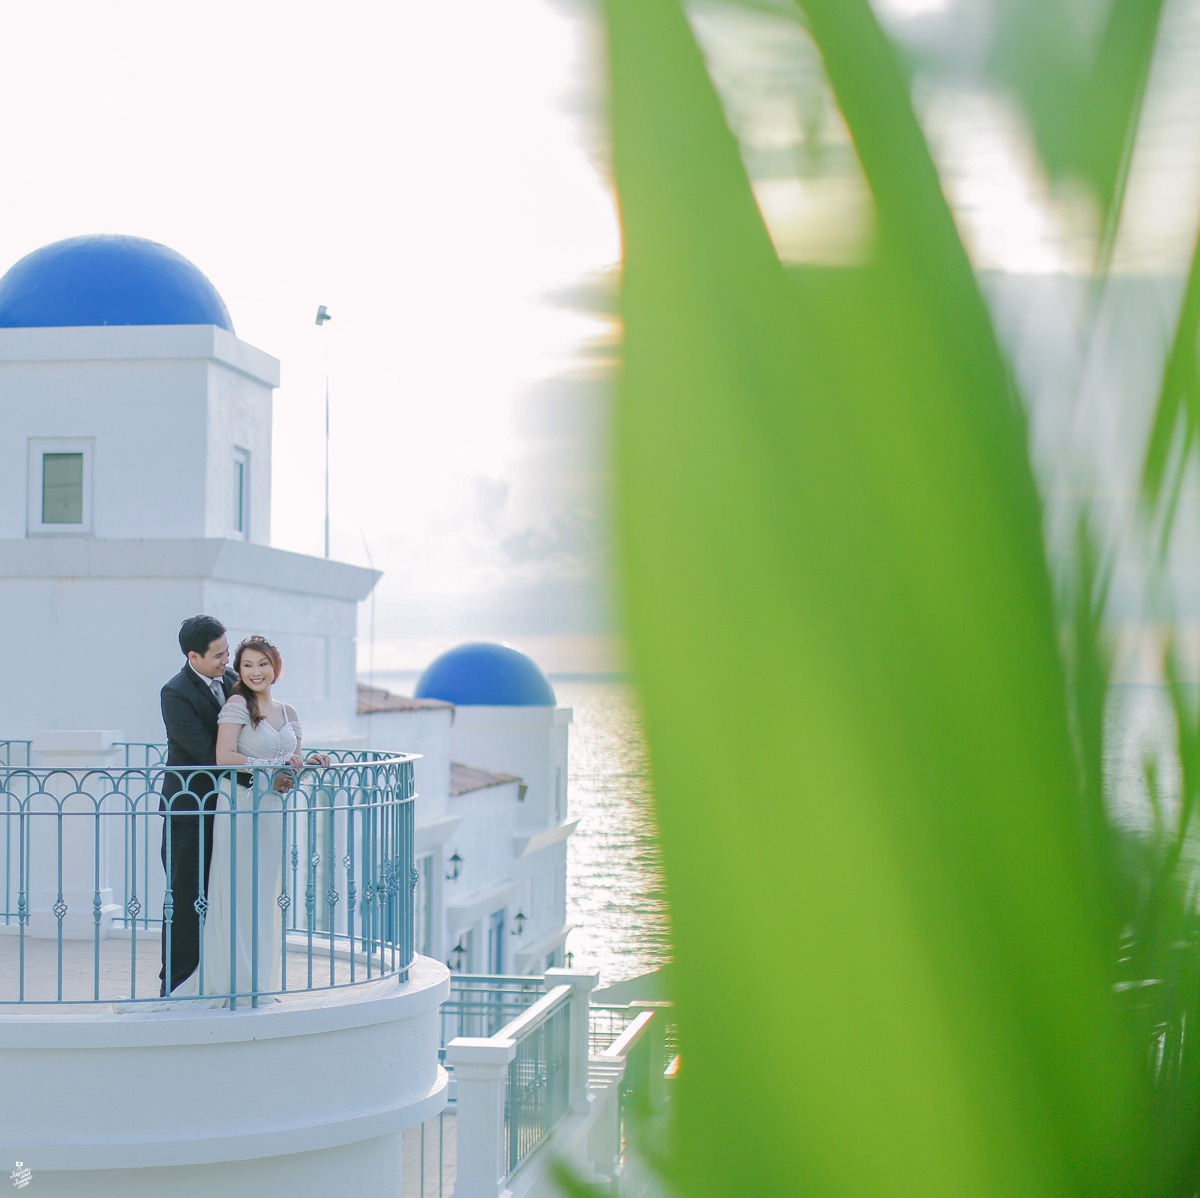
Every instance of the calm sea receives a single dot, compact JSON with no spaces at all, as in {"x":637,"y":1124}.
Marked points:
{"x":614,"y":878}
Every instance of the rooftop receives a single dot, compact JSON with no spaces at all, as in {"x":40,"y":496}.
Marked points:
{"x":466,"y":778}
{"x":374,"y":699}
{"x":105,"y":279}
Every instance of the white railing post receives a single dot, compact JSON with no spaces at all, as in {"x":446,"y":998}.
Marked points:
{"x":480,"y":1077}
{"x":582,"y":984}
{"x":604,"y":1140}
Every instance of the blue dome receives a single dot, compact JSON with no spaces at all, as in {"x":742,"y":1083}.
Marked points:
{"x":106,"y":279}
{"x":484,"y":674}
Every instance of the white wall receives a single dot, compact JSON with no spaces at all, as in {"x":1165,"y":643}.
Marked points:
{"x":426,"y":731}
{"x":94,"y":629}
{"x":530,"y":742}
{"x":239,"y":416}
{"x":513,"y":848}
{"x":163,"y":407}
{"x":277,"y":1102}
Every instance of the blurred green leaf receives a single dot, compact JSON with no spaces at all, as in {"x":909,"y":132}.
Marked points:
{"x":1174,"y":434}
{"x":885,"y":909}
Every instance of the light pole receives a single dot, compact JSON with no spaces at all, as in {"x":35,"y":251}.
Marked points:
{"x":322,"y":316}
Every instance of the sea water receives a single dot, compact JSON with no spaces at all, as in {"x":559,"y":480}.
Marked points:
{"x":615,"y":894}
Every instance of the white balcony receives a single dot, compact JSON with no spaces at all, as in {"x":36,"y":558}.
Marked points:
{"x":306,"y":1086}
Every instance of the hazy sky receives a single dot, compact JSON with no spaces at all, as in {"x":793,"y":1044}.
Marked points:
{"x":424,"y":171}
{"x":432,"y":172}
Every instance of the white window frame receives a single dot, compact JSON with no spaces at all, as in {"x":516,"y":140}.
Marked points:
{"x":38,"y":449}
{"x":241,"y":457}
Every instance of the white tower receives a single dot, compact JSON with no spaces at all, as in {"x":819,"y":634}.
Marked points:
{"x":135,"y":490}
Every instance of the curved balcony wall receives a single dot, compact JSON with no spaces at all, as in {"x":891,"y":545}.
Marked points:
{"x":106,"y":1094}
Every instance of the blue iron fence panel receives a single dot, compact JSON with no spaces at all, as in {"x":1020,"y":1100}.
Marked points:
{"x":537,"y":1098}
{"x":82,"y":866}
{"x":481,"y":1004}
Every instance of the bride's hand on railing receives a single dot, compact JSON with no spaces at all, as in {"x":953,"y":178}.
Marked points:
{"x":284,"y":780}
{"x":321,"y":759}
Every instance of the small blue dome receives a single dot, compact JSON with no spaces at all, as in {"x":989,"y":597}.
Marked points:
{"x":107,"y":279}
{"x":485,"y":674}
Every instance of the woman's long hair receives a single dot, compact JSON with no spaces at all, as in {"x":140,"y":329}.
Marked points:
{"x":259,"y":644}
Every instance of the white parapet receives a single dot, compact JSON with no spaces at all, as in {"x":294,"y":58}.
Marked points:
{"x":309,"y":1096}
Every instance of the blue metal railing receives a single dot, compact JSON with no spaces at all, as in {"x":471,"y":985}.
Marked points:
{"x":537,"y":1093}
{"x":141,"y":754}
{"x":481,"y":1004}
{"x":14,"y":752}
{"x":82,"y":870}
{"x":532,"y":1058}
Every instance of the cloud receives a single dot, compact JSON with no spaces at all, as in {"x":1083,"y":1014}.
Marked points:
{"x":576,"y":536}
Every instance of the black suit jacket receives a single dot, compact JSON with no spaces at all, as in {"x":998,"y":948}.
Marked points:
{"x":189,"y":711}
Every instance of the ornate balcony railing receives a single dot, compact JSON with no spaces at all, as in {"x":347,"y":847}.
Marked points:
{"x":84,"y":887}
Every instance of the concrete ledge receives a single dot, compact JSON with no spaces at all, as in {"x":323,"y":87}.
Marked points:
{"x":184,"y":558}
{"x":116,"y":1092}
{"x":523,"y":846}
{"x":103,"y":343}
{"x":74,"y":1156}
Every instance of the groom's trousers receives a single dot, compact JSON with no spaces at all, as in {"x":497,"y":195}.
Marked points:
{"x":186,"y":856}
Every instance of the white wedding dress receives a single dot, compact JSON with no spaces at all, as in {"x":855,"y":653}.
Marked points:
{"x":228,"y":946}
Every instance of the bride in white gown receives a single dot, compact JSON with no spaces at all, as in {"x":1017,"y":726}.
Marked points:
{"x":252,"y":729}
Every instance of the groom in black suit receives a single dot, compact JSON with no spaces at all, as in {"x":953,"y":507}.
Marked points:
{"x":190,"y":703}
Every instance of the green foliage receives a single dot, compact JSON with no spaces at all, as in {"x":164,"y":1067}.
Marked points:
{"x":912,"y":957}
{"x":1178,"y":413}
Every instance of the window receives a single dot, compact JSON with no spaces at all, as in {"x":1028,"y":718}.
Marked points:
{"x":241,"y":492}
{"x":60,"y":486}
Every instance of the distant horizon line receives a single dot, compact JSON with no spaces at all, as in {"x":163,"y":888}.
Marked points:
{"x":551,"y":675}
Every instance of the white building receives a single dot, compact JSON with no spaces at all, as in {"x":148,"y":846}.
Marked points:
{"x":492,"y":826}
{"x":135,"y":491}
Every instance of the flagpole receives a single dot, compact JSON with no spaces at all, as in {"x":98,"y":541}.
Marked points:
{"x":322,"y":316}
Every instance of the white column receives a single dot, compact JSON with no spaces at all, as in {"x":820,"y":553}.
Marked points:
{"x":604,"y":1139}
{"x":480,"y":1077}
{"x":74,"y":753}
{"x":582,"y":985}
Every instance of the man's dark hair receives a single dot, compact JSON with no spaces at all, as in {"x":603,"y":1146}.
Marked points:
{"x":196,"y":633}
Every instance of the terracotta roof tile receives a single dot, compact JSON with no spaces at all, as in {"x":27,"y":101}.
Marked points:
{"x":465,"y":778}
{"x":373,"y":699}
